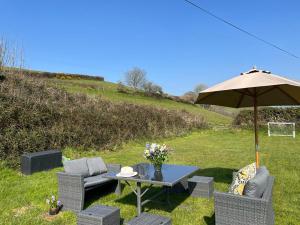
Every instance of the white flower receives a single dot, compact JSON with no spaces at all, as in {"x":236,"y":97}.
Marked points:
{"x":151,"y":150}
{"x":48,"y":201}
{"x":156,"y":152}
{"x":53,"y":198}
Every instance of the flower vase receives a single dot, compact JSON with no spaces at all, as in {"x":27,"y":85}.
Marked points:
{"x":157,"y":167}
{"x":158,"y":175}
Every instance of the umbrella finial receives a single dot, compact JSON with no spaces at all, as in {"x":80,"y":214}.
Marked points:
{"x":253,"y":70}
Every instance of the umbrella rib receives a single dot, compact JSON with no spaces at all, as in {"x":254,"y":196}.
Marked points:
{"x":244,"y":93}
{"x":266,"y":91}
{"x":240,"y":101}
{"x":291,"y":97}
{"x":250,"y":93}
{"x":208,"y":95}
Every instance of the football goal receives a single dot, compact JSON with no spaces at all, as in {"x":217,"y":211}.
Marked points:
{"x":281,"y":129}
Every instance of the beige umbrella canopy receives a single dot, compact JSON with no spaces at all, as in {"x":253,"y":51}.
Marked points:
{"x":252,"y":89}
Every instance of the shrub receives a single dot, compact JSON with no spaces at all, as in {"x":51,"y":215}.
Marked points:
{"x":44,"y":74}
{"x":152,"y":89}
{"x":35,"y":116}
{"x":122,"y":88}
{"x":270,"y":114}
{"x":189,"y":97}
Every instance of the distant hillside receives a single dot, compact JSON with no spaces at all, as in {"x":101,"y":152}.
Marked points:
{"x":109,"y":91}
{"x":96,"y":86}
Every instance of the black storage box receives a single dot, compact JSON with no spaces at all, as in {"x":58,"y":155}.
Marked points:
{"x":39,"y":161}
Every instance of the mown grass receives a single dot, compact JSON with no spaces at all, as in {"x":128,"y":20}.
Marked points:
{"x":109,"y":91}
{"x":217,"y":153}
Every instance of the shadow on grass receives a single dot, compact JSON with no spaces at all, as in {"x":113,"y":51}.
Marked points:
{"x":95,"y":194}
{"x":220,"y":175}
{"x":210,"y":220}
{"x":160,"y":203}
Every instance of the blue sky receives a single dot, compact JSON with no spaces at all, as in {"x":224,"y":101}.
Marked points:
{"x":175,"y":43}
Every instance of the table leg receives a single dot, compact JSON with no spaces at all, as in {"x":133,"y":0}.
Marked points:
{"x":168,"y":190}
{"x":139,"y":198}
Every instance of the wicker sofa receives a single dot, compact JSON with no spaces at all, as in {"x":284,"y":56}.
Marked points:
{"x":233,"y":209}
{"x":72,"y":188}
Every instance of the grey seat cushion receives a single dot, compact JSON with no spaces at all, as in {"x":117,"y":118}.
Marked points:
{"x":77,"y":166}
{"x":96,"y":166}
{"x":256,"y":186}
{"x":95,"y":180}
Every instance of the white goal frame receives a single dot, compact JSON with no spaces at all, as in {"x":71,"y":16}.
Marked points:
{"x":288,"y":123}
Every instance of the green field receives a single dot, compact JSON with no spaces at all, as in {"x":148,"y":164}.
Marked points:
{"x":217,"y":153}
{"x":108,"y":90}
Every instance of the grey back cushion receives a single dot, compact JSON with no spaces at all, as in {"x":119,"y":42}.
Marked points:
{"x":96,"y":166}
{"x":256,"y":186}
{"x":77,"y":166}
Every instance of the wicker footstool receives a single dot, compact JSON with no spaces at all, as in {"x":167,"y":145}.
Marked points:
{"x":149,"y":219}
{"x":99,"y":215}
{"x":201,"y":186}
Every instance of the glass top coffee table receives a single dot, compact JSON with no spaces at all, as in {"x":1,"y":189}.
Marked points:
{"x":169,"y":176}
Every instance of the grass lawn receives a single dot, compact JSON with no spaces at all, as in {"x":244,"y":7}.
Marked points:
{"x":108,"y":90}
{"x":218,"y":153}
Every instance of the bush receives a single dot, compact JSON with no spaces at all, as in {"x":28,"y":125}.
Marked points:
{"x":122,"y":88}
{"x":35,"y":117}
{"x":189,"y":97}
{"x":152,"y":89}
{"x":44,"y":74}
{"x":271,"y":114}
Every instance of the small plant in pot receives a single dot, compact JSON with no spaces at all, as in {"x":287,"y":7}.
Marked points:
{"x":54,"y":205}
{"x":156,"y":154}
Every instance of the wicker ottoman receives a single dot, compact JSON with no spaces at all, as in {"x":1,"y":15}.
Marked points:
{"x":39,"y":161}
{"x":201,"y":186}
{"x":149,"y":219}
{"x":99,"y":215}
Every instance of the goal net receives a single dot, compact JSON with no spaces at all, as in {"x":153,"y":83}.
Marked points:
{"x":281,"y":129}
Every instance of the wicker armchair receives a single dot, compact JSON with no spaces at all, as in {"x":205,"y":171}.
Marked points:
{"x":72,"y":187}
{"x":233,"y":209}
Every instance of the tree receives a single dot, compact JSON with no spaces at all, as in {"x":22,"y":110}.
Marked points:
{"x":135,"y":78}
{"x":152,"y":88}
{"x":11,"y":58}
{"x":189,"y":96}
{"x":200,"y":87}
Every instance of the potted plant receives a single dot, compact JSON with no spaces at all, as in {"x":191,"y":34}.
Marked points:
{"x":156,"y":154}
{"x":54,"y":205}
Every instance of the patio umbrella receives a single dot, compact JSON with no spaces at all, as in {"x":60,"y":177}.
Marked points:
{"x":252,"y":89}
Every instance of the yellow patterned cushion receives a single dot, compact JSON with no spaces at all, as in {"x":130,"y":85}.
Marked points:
{"x":241,"y":178}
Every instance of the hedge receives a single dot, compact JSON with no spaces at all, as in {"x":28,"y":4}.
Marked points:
{"x":269,"y":114}
{"x":35,"y":116}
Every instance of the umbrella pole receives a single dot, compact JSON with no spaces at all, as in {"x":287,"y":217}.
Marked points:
{"x":256,"y":133}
